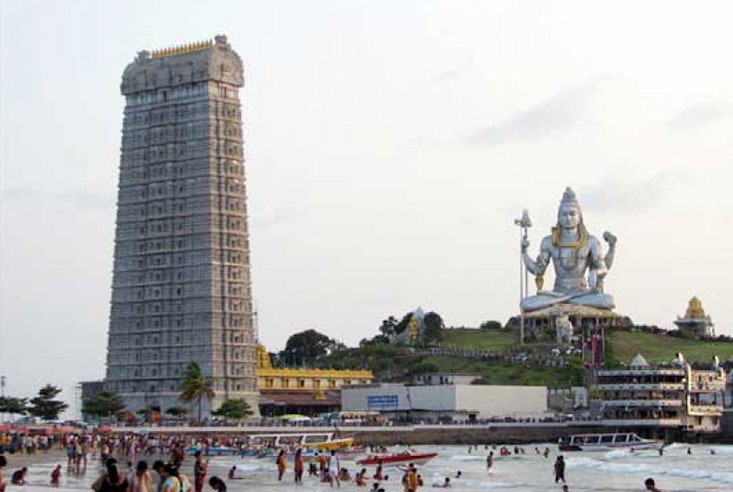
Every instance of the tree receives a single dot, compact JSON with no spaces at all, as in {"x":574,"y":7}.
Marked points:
{"x":387,"y":327}
{"x":233,"y":409}
{"x":402,"y":325}
{"x":44,"y":406}
{"x":305,"y":347}
{"x":177,"y":412}
{"x":11,"y":405}
{"x":433,"y":327}
{"x":195,"y":387}
{"x":491,"y":325}
{"x":103,"y":404}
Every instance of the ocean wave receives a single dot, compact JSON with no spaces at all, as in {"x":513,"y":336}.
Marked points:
{"x":722,"y":449}
{"x":246,"y":467}
{"x":628,"y":468}
{"x":617,"y":453}
{"x":468,"y":458}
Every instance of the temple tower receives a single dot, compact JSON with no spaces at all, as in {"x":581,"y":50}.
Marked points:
{"x":181,"y":287}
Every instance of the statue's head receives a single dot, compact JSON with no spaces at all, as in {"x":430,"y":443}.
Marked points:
{"x":569,"y":215}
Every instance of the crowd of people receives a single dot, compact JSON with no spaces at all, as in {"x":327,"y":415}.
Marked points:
{"x":167,"y":476}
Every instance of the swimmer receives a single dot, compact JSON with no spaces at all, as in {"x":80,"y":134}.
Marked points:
{"x":650,"y":485}
{"x":444,"y":485}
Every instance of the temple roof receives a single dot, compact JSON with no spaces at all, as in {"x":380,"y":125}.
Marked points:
{"x":639,"y":361}
{"x":694,"y":309}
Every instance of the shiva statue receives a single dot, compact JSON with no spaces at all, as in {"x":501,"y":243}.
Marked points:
{"x":573,"y":252}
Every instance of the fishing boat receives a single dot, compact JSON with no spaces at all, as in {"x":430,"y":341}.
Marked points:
{"x":605,"y":442}
{"x":396,"y":459}
{"x":310,"y":442}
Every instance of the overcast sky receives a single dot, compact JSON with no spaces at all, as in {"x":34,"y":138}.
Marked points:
{"x":389,"y":145}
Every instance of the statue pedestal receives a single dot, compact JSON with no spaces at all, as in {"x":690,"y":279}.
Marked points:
{"x":541,"y":326}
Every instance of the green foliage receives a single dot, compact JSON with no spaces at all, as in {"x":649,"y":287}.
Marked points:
{"x":471,"y":338}
{"x":305,"y":347}
{"x":388,"y":326}
{"x":402,"y":325}
{"x":177,"y":412}
{"x":103,"y":404}
{"x":195,"y":387}
{"x":422,"y":367}
{"x":9,"y":404}
{"x":662,"y":348}
{"x":44,"y":406}
{"x":233,"y":409}
{"x":491,"y":325}
{"x":433,"y":328}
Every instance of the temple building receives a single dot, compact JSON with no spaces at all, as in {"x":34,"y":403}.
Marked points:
{"x":695,"y":323}
{"x":181,"y":284}
{"x":300,"y":390}
{"x":673,"y":396}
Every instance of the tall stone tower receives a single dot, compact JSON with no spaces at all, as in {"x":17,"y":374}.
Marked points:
{"x":181,"y":288}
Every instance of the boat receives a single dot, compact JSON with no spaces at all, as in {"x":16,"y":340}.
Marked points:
{"x":396,"y":459}
{"x":322,"y":441}
{"x":605,"y":442}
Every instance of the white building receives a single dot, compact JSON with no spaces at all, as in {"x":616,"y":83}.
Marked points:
{"x":470,"y":401}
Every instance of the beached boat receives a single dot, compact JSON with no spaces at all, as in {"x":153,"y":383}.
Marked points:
{"x":605,"y":442}
{"x":396,"y":459}
{"x":319,"y":441}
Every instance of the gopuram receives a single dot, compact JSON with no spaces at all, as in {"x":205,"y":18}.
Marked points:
{"x":578,"y":299}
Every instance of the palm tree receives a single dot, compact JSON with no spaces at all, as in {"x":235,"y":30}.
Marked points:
{"x":195,"y":387}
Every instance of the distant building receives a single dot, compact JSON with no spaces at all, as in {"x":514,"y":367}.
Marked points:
{"x":449,"y":402}
{"x":695,"y":323}
{"x":301,"y":390}
{"x":567,"y":399}
{"x":447,"y":378}
{"x":669,"y":396}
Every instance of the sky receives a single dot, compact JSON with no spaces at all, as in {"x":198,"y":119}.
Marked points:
{"x":389,"y":146}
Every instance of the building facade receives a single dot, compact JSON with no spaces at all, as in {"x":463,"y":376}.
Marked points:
{"x":671,"y":396}
{"x":302,"y":390}
{"x":181,"y":285}
{"x":452,"y":401}
{"x":695,"y":323}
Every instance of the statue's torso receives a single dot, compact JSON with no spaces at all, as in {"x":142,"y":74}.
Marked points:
{"x":570,"y":264}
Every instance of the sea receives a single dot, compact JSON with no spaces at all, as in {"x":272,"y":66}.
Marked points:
{"x":703,"y":468}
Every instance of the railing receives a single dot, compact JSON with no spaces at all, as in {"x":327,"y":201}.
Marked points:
{"x":640,"y":422}
{"x":642,"y":403}
{"x":641,"y":386}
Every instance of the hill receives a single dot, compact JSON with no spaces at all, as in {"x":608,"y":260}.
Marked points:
{"x":393,"y":363}
{"x":662,"y":348}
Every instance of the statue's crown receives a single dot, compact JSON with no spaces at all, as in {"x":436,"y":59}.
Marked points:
{"x":569,"y":198}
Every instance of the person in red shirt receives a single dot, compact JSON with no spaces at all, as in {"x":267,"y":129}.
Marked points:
{"x":56,"y":476}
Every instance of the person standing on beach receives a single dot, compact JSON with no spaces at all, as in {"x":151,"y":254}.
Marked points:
{"x":281,"y":465}
{"x":298,"y":467}
{"x":334,"y":465}
{"x":650,"y":485}
{"x":3,"y":464}
{"x":489,"y":461}
{"x":56,"y":476}
{"x":141,"y":481}
{"x":560,"y":469}
{"x":200,"y":467}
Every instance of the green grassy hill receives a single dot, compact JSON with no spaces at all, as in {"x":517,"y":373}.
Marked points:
{"x":661,"y":348}
{"x":391,"y":363}
{"x":471,"y":338}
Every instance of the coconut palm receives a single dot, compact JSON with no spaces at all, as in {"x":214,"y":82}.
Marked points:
{"x":195,"y":387}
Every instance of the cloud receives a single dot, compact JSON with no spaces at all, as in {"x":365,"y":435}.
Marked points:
{"x":78,"y":197}
{"x":698,"y":115}
{"x":632,"y":196}
{"x":453,"y":72}
{"x":557,"y":114}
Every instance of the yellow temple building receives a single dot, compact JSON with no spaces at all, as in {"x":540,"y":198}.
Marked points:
{"x":303,"y":391}
{"x":695,"y":323}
